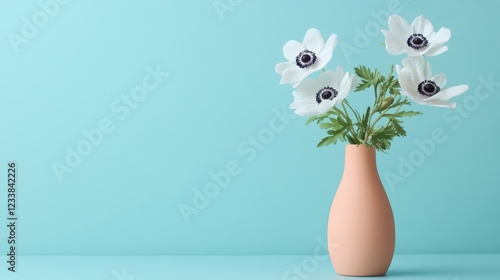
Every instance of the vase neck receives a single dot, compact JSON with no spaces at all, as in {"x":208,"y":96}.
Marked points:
{"x":360,"y":158}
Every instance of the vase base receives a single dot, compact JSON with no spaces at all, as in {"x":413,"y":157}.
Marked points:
{"x":361,"y":275}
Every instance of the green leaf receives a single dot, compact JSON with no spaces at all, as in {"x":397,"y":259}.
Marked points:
{"x":377,"y":77}
{"x":366,"y":117}
{"x":311,"y":119}
{"x":400,"y":131}
{"x":383,"y":133}
{"x":353,"y":140}
{"x":326,"y":125}
{"x":341,"y":137}
{"x":394,"y":90}
{"x":327,"y":141}
{"x":340,"y":112}
{"x":382,"y":136}
{"x":361,"y":133}
{"x":389,"y":85}
{"x":363,"y":72}
{"x":363,"y":85}
{"x":400,"y":101}
{"x":341,"y":121}
{"x":319,"y":118}
{"x":368,"y":78}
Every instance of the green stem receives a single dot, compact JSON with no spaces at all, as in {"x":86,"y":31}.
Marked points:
{"x":347,"y":114}
{"x":352,"y":109}
{"x":345,"y":110}
{"x":375,"y":102}
{"x":380,"y":116}
{"x":397,"y":110}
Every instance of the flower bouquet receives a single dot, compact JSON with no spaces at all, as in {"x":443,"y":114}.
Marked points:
{"x":324,"y":98}
{"x":357,"y":245}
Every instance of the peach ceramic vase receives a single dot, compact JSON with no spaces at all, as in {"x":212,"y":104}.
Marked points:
{"x":361,"y":233}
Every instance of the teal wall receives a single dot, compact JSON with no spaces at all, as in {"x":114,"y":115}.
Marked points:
{"x":119,"y":113}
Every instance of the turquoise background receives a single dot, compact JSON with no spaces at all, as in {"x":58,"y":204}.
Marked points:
{"x":221,"y":108}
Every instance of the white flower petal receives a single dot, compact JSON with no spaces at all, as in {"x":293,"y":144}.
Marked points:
{"x":436,"y":42}
{"x":340,"y":71}
{"x":394,"y":44}
{"x":399,"y":25}
{"x":419,"y":66}
{"x":299,"y":104}
{"x":441,"y":37}
{"x":398,"y":68}
{"x":300,"y":97}
{"x":323,"y":57}
{"x":344,"y":82}
{"x":436,"y":50}
{"x":422,"y":25}
{"x":344,"y":87}
{"x":325,"y":105}
{"x":448,"y":93}
{"x":330,"y":78}
{"x":282,"y":66}
{"x":454,"y":91}
{"x":442,"y":104}
{"x":313,"y":40}
{"x":292,"y":49}
{"x":406,"y":64}
{"x":306,"y":90}
{"x":293,"y":75}
{"x":439,"y":79}
{"x":408,"y":86}
{"x":306,"y":110}
{"x":355,"y":82}
{"x":332,"y":41}
{"x":412,"y":52}
{"x":343,"y":93}
{"x":326,"y":78}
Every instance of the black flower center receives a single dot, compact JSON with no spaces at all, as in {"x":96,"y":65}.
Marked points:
{"x":417,"y":41}
{"x":305,"y":59}
{"x":428,"y":88}
{"x":326,"y":93}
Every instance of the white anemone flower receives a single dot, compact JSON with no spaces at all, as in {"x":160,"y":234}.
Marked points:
{"x":417,"y":83}
{"x":416,"y":39}
{"x":315,"y":97}
{"x":305,"y":58}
